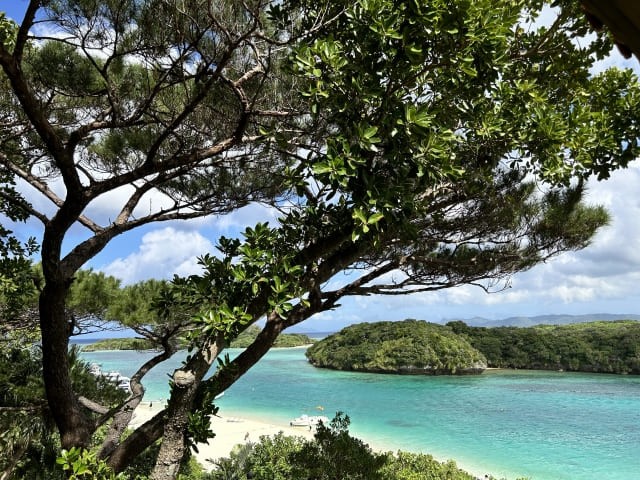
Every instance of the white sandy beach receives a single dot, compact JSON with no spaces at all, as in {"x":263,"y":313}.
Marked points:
{"x":233,"y":430}
{"x":230,"y":431}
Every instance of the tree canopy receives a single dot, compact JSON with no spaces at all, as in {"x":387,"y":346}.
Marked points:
{"x":419,"y":145}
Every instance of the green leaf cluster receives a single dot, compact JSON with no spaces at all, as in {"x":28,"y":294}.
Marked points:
{"x":83,"y":464}
{"x":8,"y":32}
{"x":419,"y":95}
{"x":17,"y":289}
{"x":92,"y":293}
{"x":254,"y":274}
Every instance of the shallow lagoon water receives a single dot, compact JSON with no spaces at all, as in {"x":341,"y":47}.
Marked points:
{"x":542,"y":425}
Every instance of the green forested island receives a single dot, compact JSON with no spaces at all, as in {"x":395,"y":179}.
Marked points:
{"x":243,"y":341}
{"x":119,"y":344}
{"x":284,"y":340}
{"x":598,"y":347}
{"x":419,"y":347}
{"x":408,"y":347}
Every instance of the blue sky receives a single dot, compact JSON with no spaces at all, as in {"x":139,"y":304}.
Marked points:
{"x":603,"y":278}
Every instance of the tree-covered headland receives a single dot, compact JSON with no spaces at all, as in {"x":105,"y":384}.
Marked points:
{"x":244,"y":339}
{"x":598,"y":347}
{"x":409,"y":347}
{"x":284,"y":340}
{"x":119,"y":344}
{"x":418,"y":347}
{"x":414,"y":146}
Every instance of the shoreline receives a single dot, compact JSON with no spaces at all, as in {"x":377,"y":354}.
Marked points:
{"x":235,"y":428}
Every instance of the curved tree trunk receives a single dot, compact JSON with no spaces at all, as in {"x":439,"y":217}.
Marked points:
{"x":141,"y":438}
{"x":74,"y":426}
{"x":186,"y":382}
{"x":171,"y":423}
{"x":122,"y":417}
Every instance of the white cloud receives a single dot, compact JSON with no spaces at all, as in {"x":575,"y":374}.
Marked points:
{"x":161,"y":254}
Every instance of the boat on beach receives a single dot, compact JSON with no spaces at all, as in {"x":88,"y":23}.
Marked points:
{"x":308,"y":420}
{"x":122,"y":382}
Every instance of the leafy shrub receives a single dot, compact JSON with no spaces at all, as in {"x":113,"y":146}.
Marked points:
{"x":331,"y":455}
{"x":82,"y":464}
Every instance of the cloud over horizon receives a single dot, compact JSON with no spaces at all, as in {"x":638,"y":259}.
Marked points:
{"x":161,"y":254}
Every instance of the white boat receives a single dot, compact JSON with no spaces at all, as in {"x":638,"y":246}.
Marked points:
{"x":113,"y":376}
{"x":124,"y":384}
{"x":308,"y":420}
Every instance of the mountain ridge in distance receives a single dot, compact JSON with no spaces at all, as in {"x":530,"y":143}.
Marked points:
{"x":524,"y":321}
{"x":515,"y":321}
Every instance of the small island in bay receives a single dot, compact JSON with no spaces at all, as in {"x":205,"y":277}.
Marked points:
{"x":119,"y":344}
{"x":411,"y":347}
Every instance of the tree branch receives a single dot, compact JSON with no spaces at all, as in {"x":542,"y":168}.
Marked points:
{"x":23,"y":32}
{"x":122,"y":416}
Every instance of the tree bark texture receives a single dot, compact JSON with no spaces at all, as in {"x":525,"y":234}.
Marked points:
{"x":122,"y":417}
{"x":74,"y":427}
{"x":186,"y":382}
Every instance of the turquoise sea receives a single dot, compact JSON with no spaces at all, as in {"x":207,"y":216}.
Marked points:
{"x":541,"y":425}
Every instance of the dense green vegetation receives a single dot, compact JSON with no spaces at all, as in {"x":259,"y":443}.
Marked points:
{"x":29,"y":443}
{"x":448,"y":140}
{"x":415,"y":346}
{"x":284,"y":340}
{"x":332,"y":455}
{"x":120,"y":344}
{"x":599,"y":347}
{"x":411,"y":347}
